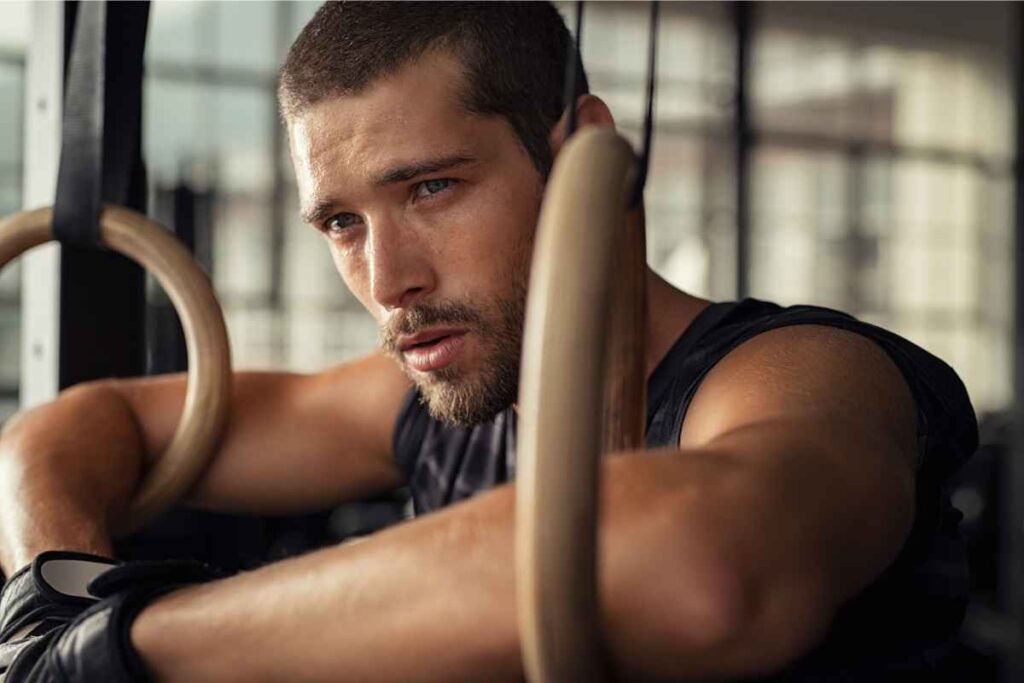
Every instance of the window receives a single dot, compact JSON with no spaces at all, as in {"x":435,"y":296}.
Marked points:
{"x":690,"y":194}
{"x":880,"y":166}
{"x":212,"y":126}
{"x":14,"y":32}
{"x":882,"y":174}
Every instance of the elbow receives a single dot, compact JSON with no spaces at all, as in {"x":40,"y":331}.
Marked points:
{"x":714,"y":598}
{"x":725,"y":624}
{"x":677,"y":597}
{"x":49,"y":428}
{"x":743,"y":623}
{"x":14,"y":430}
{"x":707,"y":612}
{"x":714,"y":606}
{"x":678,"y":617}
{"x":767,"y":621}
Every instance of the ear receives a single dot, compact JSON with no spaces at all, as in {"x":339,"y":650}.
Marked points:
{"x":590,"y":111}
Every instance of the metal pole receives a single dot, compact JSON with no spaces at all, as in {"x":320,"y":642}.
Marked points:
{"x":743,"y":137}
{"x":278,"y":203}
{"x":40,"y":269}
{"x":1012,"y":578}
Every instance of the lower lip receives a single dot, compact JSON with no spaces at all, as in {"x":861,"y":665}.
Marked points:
{"x":436,"y":355}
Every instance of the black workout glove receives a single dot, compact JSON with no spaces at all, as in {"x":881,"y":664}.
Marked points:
{"x":44,"y":597}
{"x":85,"y":632}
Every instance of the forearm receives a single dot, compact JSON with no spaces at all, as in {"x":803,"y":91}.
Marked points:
{"x":404,"y":605}
{"x":65,"y":469}
{"x":434,"y":599}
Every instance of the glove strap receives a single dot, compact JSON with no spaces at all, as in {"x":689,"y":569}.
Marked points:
{"x":64,"y":575}
{"x":54,"y":586}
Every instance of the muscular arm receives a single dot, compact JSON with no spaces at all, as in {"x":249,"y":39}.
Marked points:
{"x":726,"y":557}
{"x":294,"y":443}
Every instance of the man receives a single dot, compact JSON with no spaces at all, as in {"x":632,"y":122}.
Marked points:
{"x":789,"y":522}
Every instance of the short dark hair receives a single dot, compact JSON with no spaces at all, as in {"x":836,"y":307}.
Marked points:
{"x":514,"y":55}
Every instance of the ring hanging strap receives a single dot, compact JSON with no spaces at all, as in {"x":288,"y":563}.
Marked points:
{"x":573,"y":76}
{"x":572,"y":71}
{"x":652,"y":77}
{"x":101,"y":135}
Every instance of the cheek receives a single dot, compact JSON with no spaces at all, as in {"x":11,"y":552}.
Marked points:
{"x":355,"y":275}
{"x":518,"y":244}
{"x":498,"y":228}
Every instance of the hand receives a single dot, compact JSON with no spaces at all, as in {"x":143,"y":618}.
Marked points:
{"x":44,"y":597}
{"x":71,"y":616}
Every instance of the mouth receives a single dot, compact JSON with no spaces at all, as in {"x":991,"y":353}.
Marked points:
{"x":432,"y":349}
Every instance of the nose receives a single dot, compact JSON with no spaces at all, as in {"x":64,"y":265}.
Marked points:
{"x":401,"y":271}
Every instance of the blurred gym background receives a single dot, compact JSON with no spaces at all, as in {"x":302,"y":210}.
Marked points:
{"x":861,"y":156}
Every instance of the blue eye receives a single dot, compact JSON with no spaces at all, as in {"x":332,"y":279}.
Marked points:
{"x":342,"y":221}
{"x":428,"y":188}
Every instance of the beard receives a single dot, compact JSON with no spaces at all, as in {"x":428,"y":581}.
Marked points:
{"x":455,"y":396}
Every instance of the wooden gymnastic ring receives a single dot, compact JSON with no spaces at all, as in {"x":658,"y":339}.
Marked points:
{"x":560,"y":408}
{"x":209,"y":355}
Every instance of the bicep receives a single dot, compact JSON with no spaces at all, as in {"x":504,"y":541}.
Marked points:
{"x":825,"y":420}
{"x":806,"y":370}
{"x":293,"y":442}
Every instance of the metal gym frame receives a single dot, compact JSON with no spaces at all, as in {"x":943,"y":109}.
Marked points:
{"x":1012,"y":524}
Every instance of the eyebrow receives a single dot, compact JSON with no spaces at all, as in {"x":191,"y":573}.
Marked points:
{"x":402,"y":174}
{"x":323,"y":209}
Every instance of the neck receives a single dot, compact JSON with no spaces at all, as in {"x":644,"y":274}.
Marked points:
{"x":669,"y":312}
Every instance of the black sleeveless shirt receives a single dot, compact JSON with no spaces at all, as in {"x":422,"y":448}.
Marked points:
{"x":906,"y":621}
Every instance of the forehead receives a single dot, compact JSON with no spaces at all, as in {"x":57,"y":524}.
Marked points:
{"x":399,"y":118}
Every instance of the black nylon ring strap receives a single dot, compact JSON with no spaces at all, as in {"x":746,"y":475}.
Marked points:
{"x":101,"y":134}
{"x":652,"y":77}
{"x":573,"y":67}
{"x":77,"y":207}
{"x":573,"y":76}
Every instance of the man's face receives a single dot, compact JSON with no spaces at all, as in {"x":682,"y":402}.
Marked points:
{"x":429,"y":212}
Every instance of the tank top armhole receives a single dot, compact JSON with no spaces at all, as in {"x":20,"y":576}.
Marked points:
{"x":410,"y":430}
{"x":925,"y":380}
{"x":909,"y":613}
{"x":946,"y":430}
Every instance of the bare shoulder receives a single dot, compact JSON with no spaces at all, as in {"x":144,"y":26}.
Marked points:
{"x":827,"y":380}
